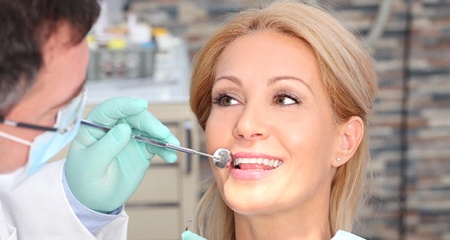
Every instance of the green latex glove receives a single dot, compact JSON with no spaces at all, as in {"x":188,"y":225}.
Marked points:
{"x":188,"y":235}
{"x":103,"y":169}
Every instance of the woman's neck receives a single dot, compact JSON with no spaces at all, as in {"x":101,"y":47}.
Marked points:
{"x":302,"y":223}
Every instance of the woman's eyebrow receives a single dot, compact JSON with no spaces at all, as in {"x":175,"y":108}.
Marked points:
{"x":271,"y":81}
{"x":233,"y":79}
{"x":281,"y":78}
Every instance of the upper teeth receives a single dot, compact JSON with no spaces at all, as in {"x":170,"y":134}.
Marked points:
{"x":268,"y":162}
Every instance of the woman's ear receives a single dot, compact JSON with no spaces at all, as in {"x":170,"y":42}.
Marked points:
{"x":351,"y":133}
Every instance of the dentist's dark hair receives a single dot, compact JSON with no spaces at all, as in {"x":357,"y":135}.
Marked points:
{"x":26,"y":25}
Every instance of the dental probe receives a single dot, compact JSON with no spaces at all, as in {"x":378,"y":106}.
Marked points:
{"x":220,"y":158}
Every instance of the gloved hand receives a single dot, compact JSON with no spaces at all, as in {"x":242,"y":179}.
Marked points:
{"x":103,"y":169}
{"x":188,"y":235}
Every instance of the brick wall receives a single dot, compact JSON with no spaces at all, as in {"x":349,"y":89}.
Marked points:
{"x":411,"y":124}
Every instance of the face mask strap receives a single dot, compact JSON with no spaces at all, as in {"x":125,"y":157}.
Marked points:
{"x":15,"y":139}
{"x":26,"y":125}
{"x":79,"y":102}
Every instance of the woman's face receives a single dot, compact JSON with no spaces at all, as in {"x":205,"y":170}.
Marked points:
{"x":270,"y":109}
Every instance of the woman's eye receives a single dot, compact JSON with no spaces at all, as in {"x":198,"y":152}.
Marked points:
{"x":224,"y":100}
{"x":285,"y":100}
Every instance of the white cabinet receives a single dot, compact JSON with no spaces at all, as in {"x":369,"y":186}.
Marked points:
{"x":166,"y":199}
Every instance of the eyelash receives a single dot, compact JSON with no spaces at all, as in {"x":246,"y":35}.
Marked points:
{"x":223,"y":96}
{"x":220,"y":98}
{"x":286,"y":95}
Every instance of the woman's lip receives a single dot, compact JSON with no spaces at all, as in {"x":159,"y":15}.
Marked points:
{"x":253,"y":155}
{"x":255,"y":174}
{"x":239,"y":174}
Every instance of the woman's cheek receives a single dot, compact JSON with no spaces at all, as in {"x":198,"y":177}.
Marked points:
{"x":216,"y":132}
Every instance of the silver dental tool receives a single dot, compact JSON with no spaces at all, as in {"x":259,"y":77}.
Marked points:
{"x":221,"y":156}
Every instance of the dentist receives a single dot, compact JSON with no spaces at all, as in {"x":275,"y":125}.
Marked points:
{"x":43,"y":61}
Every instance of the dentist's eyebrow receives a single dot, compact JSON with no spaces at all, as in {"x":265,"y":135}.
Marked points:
{"x":281,"y":78}
{"x":233,"y":79}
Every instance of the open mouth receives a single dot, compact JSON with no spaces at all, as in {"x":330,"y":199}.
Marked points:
{"x":256,"y":163}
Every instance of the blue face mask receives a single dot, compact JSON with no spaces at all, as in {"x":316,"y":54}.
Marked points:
{"x":49,"y":143}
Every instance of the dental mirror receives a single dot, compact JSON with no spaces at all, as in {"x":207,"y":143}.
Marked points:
{"x":221,"y":157}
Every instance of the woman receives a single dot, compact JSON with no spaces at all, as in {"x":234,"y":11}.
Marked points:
{"x":288,"y":90}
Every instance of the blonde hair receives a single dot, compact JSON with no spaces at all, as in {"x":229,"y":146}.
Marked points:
{"x":348,"y":76}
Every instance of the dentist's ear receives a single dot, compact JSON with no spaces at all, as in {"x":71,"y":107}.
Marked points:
{"x":351,"y":134}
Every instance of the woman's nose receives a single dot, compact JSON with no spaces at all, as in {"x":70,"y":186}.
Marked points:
{"x":252,"y":124}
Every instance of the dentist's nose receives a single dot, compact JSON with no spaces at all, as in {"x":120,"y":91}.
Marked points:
{"x":252,"y":124}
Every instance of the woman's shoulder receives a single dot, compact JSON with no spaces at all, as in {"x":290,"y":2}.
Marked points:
{"x":340,"y":235}
{"x":343,"y":235}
